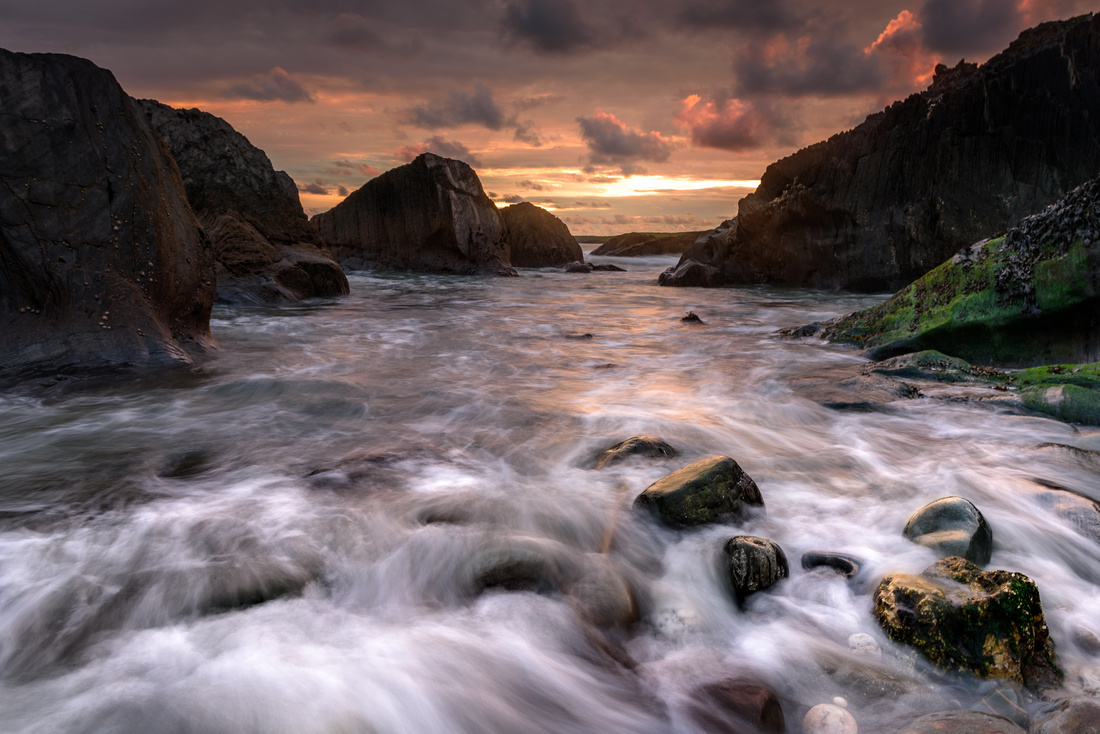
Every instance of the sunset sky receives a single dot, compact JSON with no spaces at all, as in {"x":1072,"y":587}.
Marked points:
{"x":617,"y":114}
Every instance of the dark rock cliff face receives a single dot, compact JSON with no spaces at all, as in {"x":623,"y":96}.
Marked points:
{"x":538,"y":239}
{"x":643,"y":244}
{"x":875,"y":207}
{"x":430,"y":215}
{"x":263,"y":243}
{"x":102,"y":263}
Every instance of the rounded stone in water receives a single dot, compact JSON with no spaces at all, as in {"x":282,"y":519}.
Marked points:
{"x":712,"y":490}
{"x":952,"y":526}
{"x":827,"y":718}
{"x":753,"y":564}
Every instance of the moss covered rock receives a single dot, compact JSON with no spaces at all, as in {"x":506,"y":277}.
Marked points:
{"x":1030,"y":297}
{"x":988,"y":623}
{"x":711,"y":490}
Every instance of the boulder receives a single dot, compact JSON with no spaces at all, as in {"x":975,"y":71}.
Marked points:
{"x":263,"y":243}
{"x":602,"y":594}
{"x":753,"y":564}
{"x":711,"y":490}
{"x":538,"y":239}
{"x":952,"y":526}
{"x":102,"y":263}
{"x":1080,"y":513}
{"x":737,"y":706}
{"x":843,"y":564}
{"x":1067,"y":716}
{"x":827,"y":718}
{"x":877,"y":206}
{"x":1027,"y":298}
{"x":644,"y":244}
{"x":607,"y":268}
{"x":988,"y":623}
{"x":647,"y":446}
{"x":430,"y":215}
{"x":578,"y":267}
{"x":962,"y":722}
{"x":691,"y":274}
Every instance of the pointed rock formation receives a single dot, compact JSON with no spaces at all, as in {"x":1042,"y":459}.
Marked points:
{"x":431,"y":215}
{"x":102,"y":262}
{"x":875,"y":207}
{"x":263,"y":243}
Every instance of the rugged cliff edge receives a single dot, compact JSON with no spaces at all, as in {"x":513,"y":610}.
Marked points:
{"x":102,"y":263}
{"x":538,"y":239}
{"x":430,"y":215}
{"x":263,"y":243}
{"x":877,"y":206}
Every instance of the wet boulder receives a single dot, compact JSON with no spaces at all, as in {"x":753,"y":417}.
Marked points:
{"x":1081,"y":513}
{"x":753,"y":564}
{"x":691,"y":274}
{"x":989,"y":623}
{"x":952,"y":526}
{"x":845,"y":565}
{"x":520,"y":564}
{"x":430,"y":215}
{"x":711,"y":490}
{"x":1067,"y":716}
{"x":961,"y":722}
{"x":603,"y":595}
{"x":737,"y":706}
{"x":264,"y":246}
{"x":538,"y":239}
{"x":578,"y":267}
{"x":102,"y":262}
{"x":647,"y":446}
{"x":827,"y":718}
{"x":607,"y":268}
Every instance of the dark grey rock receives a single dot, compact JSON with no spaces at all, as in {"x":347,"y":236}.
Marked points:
{"x":102,"y":263}
{"x":647,"y":446}
{"x":691,"y":274}
{"x":263,"y":243}
{"x":875,"y":207}
{"x":845,"y":565}
{"x":737,"y":706}
{"x":431,"y":215}
{"x":538,"y":239}
{"x":952,"y":526}
{"x":578,"y":267}
{"x":607,"y":268}
{"x":711,"y":490}
{"x":753,"y":564}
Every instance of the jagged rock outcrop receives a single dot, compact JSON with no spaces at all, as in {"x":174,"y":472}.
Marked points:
{"x":263,"y":244}
{"x":431,"y":215}
{"x":643,"y":244}
{"x":538,"y":239}
{"x":1030,"y":297}
{"x":102,"y":263}
{"x":877,"y":206}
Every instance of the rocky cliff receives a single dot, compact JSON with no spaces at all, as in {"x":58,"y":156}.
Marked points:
{"x":877,"y":206}
{"x":538,"y":239}
{"x":643,"y":244}
{"x":102,"y":263}
{"x":263,"y":243}
{"x":430,"y":215}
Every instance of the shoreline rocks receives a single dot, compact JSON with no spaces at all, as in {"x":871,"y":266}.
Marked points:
{"x":644,"y":244}
{"x":708,"y":491}
{"x":264,"y":246}
{"x":538,"y":239}
{"x":103,"y":265}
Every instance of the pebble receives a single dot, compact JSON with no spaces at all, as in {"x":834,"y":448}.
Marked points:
{"x":825,"y":718}
{"x":864,"y":645}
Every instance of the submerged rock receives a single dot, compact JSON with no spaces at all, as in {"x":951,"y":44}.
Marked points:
{"x":989,"y":623}
{"x":691,"y":274}
{"x":843,"y":564}
{"x":538,"y":239}
{"x":737,"y":706}
{"x":102,"y":263}
{"x":1067,"y":716}
{"x":263,"y":243}
{"x":753,"y":564}
{"x":1027,"y":298}
{"x":578,"y":267}
{"x":603,"y":595}
{"x":980,"y":148}
{"x":711,"y":490}
{"x":648,"y":446}
{"x":430,"y":215}
{"x":952,"y":526}
{"x":851,"y":388}
{"x":962,"y":722}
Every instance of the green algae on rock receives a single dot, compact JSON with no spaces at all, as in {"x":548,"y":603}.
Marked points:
{"x":1029,"y":297}
{"x":962,"y":619}
{"x":711,"y":490}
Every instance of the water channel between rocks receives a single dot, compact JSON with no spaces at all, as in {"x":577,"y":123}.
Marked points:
{"x":283,"y":540}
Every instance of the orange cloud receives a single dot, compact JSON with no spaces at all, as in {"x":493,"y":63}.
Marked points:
{"x":902,"y":44}
{"x":729,"y":125}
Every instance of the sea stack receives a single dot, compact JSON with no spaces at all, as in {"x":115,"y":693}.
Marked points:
{"x":538,"y":239}
{"x":430,"y":215}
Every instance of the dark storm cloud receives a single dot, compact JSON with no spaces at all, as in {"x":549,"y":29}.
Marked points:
{"x":823,"y":65}
{"x":342,"y":190}
{"x":743,"y":15}
{"x":352,"y":30}
{"x":275,"y":85}
{"x":549,"y":26}
{"x":977,"y":26}
{"x":532,"y":186}
{"x":458,"y":108}
{"x":439,"y":146}
{"x":316,"y":187}
{"x":611,"y":142}
{"x":526,"y":133}
{"x":513,"y":199}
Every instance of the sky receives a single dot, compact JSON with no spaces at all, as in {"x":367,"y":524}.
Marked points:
{"x":617,"y":115}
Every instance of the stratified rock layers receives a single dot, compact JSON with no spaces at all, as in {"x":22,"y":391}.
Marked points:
{"x":431,"y":215}
{"x":102,"y":262}
{"x":878,"y":206}
{"x":265,"y":248}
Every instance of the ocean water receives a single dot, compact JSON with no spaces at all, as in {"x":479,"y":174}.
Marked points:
{"x":288,"y":539}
